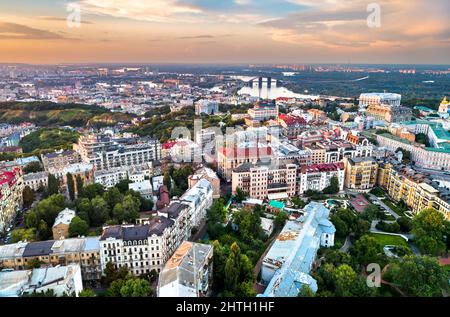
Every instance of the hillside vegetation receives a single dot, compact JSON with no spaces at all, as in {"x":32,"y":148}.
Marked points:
{"x":48,"y":140}
{"x":51,"y":114}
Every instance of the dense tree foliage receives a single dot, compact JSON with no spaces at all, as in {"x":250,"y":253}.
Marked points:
{"x":42,"y":216}
{"x":48,"y":140}
{"x":78,"y":227}
{"x":28,"y":197}
{"x":429,"y":227}
{"x":33,"y":167}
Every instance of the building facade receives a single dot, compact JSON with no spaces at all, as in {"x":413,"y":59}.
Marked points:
{"x":11,"y":201}
{"x":264,"y":181}
{"x":188,"y":273}
{"x":360,"y":173}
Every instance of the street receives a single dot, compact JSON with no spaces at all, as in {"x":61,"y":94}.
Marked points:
{"x":382,"y":204}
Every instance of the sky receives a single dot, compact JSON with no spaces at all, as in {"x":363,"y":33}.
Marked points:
{"x":225,"y":31}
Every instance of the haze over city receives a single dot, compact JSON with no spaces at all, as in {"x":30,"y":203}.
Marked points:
{"x":225,"y":31}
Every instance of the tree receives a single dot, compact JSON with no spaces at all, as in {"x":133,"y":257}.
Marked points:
{"x":122,"y":186}
{"x":44,"y":213}
{"x":119,"y":213}
{"x":87,"y":293}
{"x":246,"y":289}
{"x":333,"y":188}
{"x":99,"y":212}
{"x":32,"y":167}
{"x":28,"y":197}
{"x":280,"y":220}
{"x":420,"y":277}
{"x":240,"y":195}
{"x":130,"y":207}
{"x":80,"y":186}
{"x":217,"y":212}
{"x":70,"y":186}
{"x":31,"y":219}
{"x":78,"y":227}
{"x":52,"y":186}
{"x":28,"y":235}
{"x":84,"y":209}
{"x":300,"y":204}
{"x":405,"y":224}
{"x":372,"y":212}
{"x":361,"y":227}
{"x":344,"y":277}
{"x":342,"y":230}
{"x":219,"y":260}
{"x":366,"y":250}
{"x":306,"y":291}
{"x":167,"y":180}
{"x":249,"y":225}
{"x":429,"y":227}
{"x":232,"y":268}
{"x":93,"y":190}
{"x":135,"y":288}
{"x":112,"y":197}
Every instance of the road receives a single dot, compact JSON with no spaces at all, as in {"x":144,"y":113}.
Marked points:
{"x":382,"y":204}
{"x":347,"y":245}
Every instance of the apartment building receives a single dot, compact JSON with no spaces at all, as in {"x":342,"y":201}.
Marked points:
{"x":318,"y":176}
{"x":36,"y":180}
{"x":293,"y":126}
{"x":105,"y":151}
{"x":332,"y":151}
{"x":11,"y":188}
{"x":263,"y":111}
{"x":188,"y":273}
{"x":62,"y":280}
{"x":231,"y":158}
{"x":85,"y":171}
{"x":402,"y":183}
{"x":262,"y":181}
{"x":59,"y":159}
{"x":388,"y":113}
{"x":368,"y":99}
{"x":137,"y":173}
{"x":425,"y":157}
{"x":82,"y":251}
{"x":360,"y":173}
{"x":210,"y":176}
{"x":206,"y":106}
{"x":139,"y":248}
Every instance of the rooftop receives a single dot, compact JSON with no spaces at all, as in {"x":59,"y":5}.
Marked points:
{"x":64,"y":217}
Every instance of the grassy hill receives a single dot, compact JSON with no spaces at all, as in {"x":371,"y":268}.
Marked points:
{"x":48,"y":140}
{"x":52,"y":114}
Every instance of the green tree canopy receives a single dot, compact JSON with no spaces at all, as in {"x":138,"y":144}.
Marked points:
{"x":78,"y":227}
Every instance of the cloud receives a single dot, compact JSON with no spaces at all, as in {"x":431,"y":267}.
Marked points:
{"x":343,"y":24}
{"x":61,"y":19}
{"x":204,"y":36}
{"x":152,"y":11}
{"x":23,"y":32}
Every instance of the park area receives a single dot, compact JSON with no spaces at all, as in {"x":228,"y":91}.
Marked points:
{"x":384,"y":240}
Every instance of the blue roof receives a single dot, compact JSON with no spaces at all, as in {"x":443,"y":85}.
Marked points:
{"x":295,"y":250}
{"x":92,"y":244}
